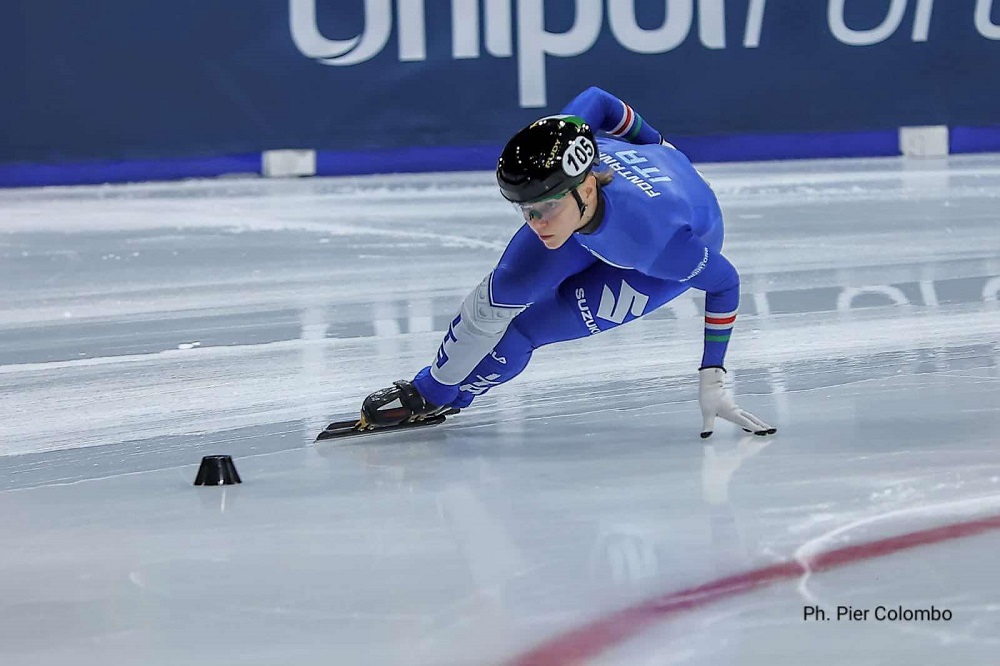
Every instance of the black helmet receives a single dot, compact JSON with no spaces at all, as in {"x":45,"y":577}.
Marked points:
{"x":546,"y":158}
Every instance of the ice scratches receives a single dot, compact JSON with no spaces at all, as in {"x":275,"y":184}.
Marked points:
{"x":177,"y":391}
{"x":366,"y":220}
{"x":867,"y":181}
{"x":866,"y":333}
{"x":167,"y":356}
{"x":409,"y":186}
{"x":444,"y":240}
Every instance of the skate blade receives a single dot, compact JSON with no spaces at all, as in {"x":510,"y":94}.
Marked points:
{"x":340,"y":429}
{"x":353,"y":428}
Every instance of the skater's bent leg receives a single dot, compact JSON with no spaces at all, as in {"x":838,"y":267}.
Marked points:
{"x":569,"y":314}
{"x":507,"y":360}
{"x":551,"y":319}
{"x":597,"y":299}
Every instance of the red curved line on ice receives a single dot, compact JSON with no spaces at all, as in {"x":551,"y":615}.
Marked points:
{"x":590,"y":640}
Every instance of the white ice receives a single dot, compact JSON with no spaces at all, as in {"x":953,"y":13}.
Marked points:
{"x":144,"y":326}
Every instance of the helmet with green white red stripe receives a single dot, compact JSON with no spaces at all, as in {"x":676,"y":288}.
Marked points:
{"x":548,"y":157}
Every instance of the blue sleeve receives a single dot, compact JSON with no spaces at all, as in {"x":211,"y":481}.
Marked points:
{"x":606,"y":113}
{"x":687,"y":259}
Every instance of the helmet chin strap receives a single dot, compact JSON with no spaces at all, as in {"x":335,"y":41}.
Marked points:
{"x":579,"y":202}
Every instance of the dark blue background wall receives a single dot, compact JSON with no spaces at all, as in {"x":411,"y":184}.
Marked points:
{"x":127,"y":80}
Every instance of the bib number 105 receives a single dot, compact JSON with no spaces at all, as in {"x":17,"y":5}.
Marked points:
{"x":578,"y":156}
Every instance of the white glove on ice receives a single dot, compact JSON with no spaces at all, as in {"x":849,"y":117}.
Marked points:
{"x":717,"y":401}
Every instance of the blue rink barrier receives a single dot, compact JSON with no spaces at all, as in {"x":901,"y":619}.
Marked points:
{"x":126,"y":171}
{"x":734,"y":148}
{"x":187,"y":88}
{"x":974,"y":140}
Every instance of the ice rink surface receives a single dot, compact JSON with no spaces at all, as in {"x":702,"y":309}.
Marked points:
{"x":561,"y":519}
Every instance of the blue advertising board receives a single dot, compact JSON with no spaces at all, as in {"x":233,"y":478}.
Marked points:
{"x":389,"y":85}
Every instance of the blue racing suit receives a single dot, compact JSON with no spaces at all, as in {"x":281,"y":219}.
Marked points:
{"x":656,"y":233}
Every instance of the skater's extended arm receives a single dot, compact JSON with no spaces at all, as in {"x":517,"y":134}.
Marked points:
{"x":606,"y":113}
{"x":687,"y":259}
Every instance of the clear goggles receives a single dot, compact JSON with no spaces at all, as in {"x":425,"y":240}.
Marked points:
{"x":540,"y":210}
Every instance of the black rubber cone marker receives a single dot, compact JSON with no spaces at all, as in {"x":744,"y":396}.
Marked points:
{"x":217,"y":471}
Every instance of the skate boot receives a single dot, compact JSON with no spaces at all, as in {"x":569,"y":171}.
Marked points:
{"x":400,"y":403}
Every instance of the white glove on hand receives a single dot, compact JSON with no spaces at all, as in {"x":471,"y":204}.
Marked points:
{"x":717,"y":401}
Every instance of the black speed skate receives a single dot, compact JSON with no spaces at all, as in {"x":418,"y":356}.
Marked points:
{"x":396,"y":407}
{"x":397,"y":404}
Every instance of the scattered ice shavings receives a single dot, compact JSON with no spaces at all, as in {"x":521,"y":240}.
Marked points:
{"x":189,"y":345}
{"x":815,"y":519}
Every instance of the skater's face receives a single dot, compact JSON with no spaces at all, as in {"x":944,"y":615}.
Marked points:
{"x":553,"y":220}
